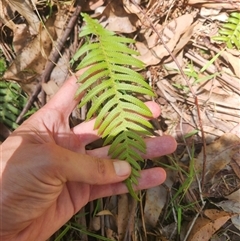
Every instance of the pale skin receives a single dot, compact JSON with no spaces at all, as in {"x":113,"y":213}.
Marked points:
{"x":47,"y":175}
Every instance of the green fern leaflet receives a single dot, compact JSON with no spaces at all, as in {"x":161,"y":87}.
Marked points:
{"x":230,"y":31}
{"x":12,"y":101}
{"x":113,"y":88}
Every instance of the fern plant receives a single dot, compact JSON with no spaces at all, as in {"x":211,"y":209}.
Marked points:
{"x":12,"y":101}
{"x":112,"y":87}
{"x":230,"y":31}
{"x":2,"y":65}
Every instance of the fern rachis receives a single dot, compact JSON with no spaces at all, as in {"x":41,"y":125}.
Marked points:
{"x":113,"y":88}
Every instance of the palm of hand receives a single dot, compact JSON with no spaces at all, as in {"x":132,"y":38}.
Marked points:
{"x":48,"y":200}
{"x":49,"y":179}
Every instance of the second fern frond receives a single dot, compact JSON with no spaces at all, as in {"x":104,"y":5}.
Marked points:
{"x":112,"y":87}
{"x":230,"y":31}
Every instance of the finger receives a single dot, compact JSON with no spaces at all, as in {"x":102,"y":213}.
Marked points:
{"x":72,"y":166}
{"x":160,"y":146}
{"x":149,"y":178}
{"x":154,"y":108}
{"x":155,"y":147}
{"x":64,"y":100}
{"x":88,"y":134}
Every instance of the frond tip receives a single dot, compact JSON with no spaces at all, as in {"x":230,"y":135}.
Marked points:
{"x":113,"y":87}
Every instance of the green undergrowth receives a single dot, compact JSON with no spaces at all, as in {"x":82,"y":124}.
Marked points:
{"x":12,"y":100}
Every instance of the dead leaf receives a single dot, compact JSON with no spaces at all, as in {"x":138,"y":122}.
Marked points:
{"x":233,"y":4}
{"x":155,"y":201}
{"x":214,"y":214}
{"x":156,"y":198}
{"x":50,"y":88}
{"x":169,"y":231}
{"x":91,"y":5}
{"x":219,"y":154}
{"x":104,"y":212}
{"x":123,"y":215}
{"x":235,"y":164}
{"x":131,"y":7}
{"x":61,"y":21}
{"x":117,"y":19}
{"x":31,"y":60}
{"x":214,"y":14}
{"x":21,"y":37}
{"x":185,"y":39}
{"x":25,"y":9}
{"x":235,"y":196}
{"x":208,"y":12}
{"x":110,"y":221}
{"x":96,"y":223}
{"x":110,"y":234}
{"x":236,"y":221}
{"x":204,"y":228}
{"x":234,"y":61}
{"x":61,"y":70}
{"x":171,"y":34}
{"x":232,"y":206}
{"x":6,"y":15}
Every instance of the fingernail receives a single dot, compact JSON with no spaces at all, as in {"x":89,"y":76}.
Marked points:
{"x":122,"y":168}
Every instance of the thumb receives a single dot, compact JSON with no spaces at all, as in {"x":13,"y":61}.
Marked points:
{"x":72,"y":166}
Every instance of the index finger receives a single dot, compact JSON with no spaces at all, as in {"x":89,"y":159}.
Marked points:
{"x":64,"y":100}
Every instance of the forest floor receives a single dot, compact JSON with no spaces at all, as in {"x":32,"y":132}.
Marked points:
{"x":191,"y":50}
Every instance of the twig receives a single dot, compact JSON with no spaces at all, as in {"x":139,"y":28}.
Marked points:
{"x":161,"y":88}
{"x":29,"y":103}
{"x":55,"y":54}
{"x":192,"y":223}
{"x":190,"y":87}
{"x":189,"y":193}
{"x":131,"y":219}
{"x":203,"y":205}
{"x":231,"y":81}
{"x":174,"y":216}
{"x":142,"y":215}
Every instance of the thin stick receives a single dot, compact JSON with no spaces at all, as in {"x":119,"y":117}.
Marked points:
{"x":55,"y":54}
{"x":190,"y":87}
{"x":29,"y":103}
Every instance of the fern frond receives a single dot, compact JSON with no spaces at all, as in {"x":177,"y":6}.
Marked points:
{"x":12,"y":101}
{"x":114,"y":86}
{"x":230,"y":31}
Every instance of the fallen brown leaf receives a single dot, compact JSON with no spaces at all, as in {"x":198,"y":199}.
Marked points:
{"x":204,"y":228}
{"x":123,"y":215}
{"x":26,"y":10}
{"x":232,"y":206}
{"x":91,"y":5}
{"x":219,"y":154}
{"x":32,"y":58}
{"x":117,"y":19}
{"x":234,"y":61}
{"x":156,"y":198}
{"x":235,"y":196}
{"x":233,"y":4}
{"x":153,"y":52}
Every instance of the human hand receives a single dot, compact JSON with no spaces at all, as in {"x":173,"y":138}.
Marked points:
{"x":47,"y":175}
